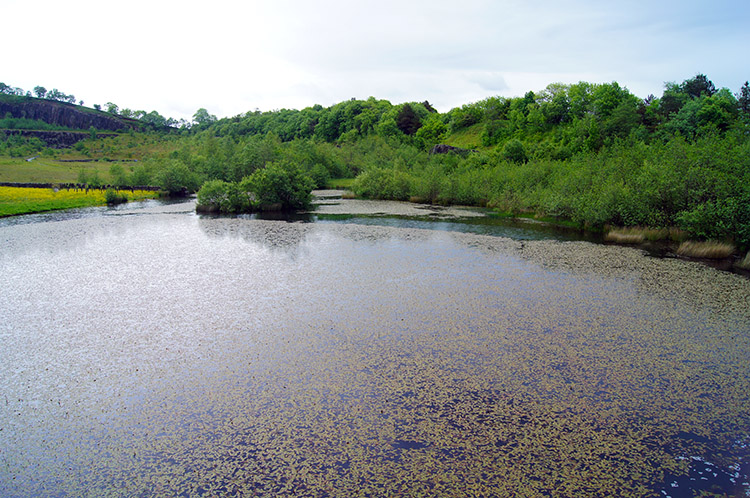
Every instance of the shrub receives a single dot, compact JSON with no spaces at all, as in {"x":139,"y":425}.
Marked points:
{"x":280,"y":185}
{"x":114,"y":197}
{"x":176,"y":178}
{"x":211,"y":196}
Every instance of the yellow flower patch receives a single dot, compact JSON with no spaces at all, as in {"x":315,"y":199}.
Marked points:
{"x":18,"y":200}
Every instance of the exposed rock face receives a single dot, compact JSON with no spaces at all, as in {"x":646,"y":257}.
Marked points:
{"x":445,"y":149}
{"x":63,"y":114}
{"x":55,"y":139}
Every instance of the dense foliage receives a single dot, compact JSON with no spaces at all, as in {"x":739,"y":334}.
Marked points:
{"x":280,"y":186}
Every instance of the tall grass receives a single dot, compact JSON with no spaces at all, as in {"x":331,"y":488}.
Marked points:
{"x":709,"y":249}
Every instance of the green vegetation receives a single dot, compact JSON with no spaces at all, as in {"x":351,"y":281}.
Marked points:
{"x":280,"y":186}
{"x":113,"y":196}
{"x":589,"y":154}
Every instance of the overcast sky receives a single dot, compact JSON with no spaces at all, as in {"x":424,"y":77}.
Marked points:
{"x":231,"y":57}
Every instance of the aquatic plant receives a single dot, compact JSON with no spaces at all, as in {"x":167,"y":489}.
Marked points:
{"x":745,"y":262}
{"x":706,"y":249}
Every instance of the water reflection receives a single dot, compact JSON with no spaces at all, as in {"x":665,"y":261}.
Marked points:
{"x":130,"y":208}
{"x":516,"y":229}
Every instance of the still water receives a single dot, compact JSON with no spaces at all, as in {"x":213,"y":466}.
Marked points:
{"x":148,"y":351}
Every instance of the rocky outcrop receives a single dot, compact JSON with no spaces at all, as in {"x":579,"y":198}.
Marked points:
{"x":63,"y":114}
{"x":445,"y":149}
{"x":56,"y":139}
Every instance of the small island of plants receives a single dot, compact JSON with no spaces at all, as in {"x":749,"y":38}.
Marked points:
{"x":280,"y":186}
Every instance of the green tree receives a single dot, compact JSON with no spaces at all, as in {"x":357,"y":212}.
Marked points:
{"x":280,"y":185}
{"x":672,"y":99}
{"x":743,"y":100}
{"x":119,"y":176}
{"x":515,"y":152}
{"x":40,"y":91}
{"x":698,"y":86}
{"x":407,"y":120}
{"x":176,"y":178}
{"x":432,"y":132}
{"x":580,"y":96}
{"x":202,"y":118}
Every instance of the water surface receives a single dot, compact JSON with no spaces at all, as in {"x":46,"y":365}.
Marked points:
{"x":153,"y":352}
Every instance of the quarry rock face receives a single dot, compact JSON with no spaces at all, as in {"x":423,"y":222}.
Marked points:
{"x":56,"y":139}
{"x":63,"y":114}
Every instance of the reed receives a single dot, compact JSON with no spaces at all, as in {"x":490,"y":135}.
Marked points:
{"x":709,"y":249}
{"x":637,"y":235}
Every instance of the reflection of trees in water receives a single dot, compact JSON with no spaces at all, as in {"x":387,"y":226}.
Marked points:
{"x":270,"y":234}
{"x":287,"y":235}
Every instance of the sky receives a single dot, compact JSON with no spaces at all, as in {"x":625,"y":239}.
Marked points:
{"x":231,"y":57}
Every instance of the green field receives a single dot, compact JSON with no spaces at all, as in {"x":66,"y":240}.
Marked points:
{"x":46,"y":170}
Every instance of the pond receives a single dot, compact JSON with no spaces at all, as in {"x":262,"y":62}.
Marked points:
{"x":149,"y":351}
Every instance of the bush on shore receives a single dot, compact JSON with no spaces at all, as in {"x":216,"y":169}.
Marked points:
{"x":280,"y":186}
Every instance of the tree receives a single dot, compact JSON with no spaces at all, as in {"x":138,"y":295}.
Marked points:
{"x":407,"y":120}
{"x":202,"y":118}
{"x":433,"y":131}
{"x":40,"y":91}
{"x":698,"y":85}
{"x":606,"y":98}
{"x":154,"y":119}
{"x":515,"y":152}
{"x":112,"y":108}
{"x":118,"y":174}
{"x":743,"y":99}
{"x":177,"y":179}
{"x":672,"y":99}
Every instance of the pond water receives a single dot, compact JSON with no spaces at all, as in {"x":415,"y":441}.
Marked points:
{"x":149,"y":351}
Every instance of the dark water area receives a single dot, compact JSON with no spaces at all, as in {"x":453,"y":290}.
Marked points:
{"x":149,"y":351}
{"x":516,"y":229}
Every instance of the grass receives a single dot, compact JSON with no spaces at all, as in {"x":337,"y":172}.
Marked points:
{"x":745,"y":262}
{"x":341,"y":183}
{"x":14,"y":200}
{"x":46,"y":170}
{"x":466,"y":138}
{"x":637,"y":235}
{"x":710,"y":249}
